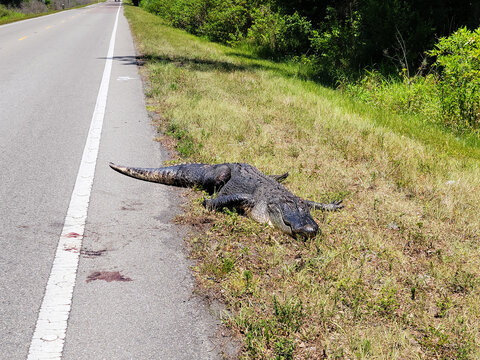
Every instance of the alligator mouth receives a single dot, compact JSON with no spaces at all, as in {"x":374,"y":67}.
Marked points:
{"x":305,"y":231}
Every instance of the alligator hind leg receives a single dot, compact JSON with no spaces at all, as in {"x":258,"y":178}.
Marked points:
{"x":235,"y":201}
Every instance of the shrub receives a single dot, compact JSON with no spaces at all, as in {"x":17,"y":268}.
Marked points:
{"x":184,"y":14}
{"x":336,"y":46}
{"x":265,"y":32}
{"x":458,"y":63}
{"x":33,"y":7}
{"x":4,"y":12}
{"x":274,"y":34}
{"x":226,"y":22}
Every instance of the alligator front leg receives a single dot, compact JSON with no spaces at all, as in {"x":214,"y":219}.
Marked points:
{"x":235,"y":201}
{"x":333,"y":206}
{"x":279,"y":178}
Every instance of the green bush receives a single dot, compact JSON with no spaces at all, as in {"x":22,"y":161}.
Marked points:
{"x":336,"y":45}
{"x":185,"y":14}
{"x":274,"y":34}
{"x":226,"y":22}
{"x":458,"y":63}
{"x":221,"y":21}
{"x":4,"y":11}
{"x":7,"y":14}
{"x":265,"y":32}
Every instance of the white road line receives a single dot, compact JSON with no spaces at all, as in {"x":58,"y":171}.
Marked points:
{"x":49,"y":336}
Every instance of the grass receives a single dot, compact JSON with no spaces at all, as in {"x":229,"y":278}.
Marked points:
{"x":394,"y":275}
{"x":12,"y":15}
{"x":7,"y":15}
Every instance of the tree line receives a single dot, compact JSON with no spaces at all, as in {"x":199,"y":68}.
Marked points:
{"x":338,"y":41}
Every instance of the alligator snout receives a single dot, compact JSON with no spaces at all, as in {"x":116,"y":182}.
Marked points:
{"x":306,"y":231}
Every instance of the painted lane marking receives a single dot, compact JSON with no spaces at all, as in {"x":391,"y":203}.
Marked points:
{"x":48,"y":27}
{"x":22,"y":38}
{"x":49,"y":335}
{"x":125,"y":78}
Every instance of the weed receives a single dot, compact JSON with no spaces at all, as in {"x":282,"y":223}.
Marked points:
{"x":387,"y":302}
{"x":284,"y":349}
{"x":362,"y":348}
{"x":443,"y":306}
{"x":248,"y":276}
{"x":227,"y":265}
{"x":185,"y":145}
{"x":463,"y":281}
{"x":289,"y":315}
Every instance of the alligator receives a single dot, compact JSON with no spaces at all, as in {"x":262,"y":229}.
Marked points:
{"x":244,"y":188}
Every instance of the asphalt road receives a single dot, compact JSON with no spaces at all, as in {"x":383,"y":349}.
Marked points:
{"x":51,"y":69}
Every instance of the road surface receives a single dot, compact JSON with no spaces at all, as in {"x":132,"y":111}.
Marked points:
{"x":55,"y":74}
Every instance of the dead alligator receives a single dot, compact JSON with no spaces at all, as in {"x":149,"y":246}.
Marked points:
{"x":241,"y":187}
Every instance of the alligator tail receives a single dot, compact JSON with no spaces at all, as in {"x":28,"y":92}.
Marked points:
{"x":209,"y":177}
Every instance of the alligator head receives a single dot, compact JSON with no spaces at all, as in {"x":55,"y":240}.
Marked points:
{"x":293,"y":217}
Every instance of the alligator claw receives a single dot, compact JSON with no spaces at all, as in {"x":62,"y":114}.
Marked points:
{"x":334,"y":206}
{"x":206,"y":203}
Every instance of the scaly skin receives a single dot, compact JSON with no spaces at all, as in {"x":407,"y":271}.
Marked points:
{"x":242,"y":187}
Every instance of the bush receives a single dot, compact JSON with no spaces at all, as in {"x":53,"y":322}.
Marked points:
{"x":274,"y":34}
{"x":33,"y":7}
{"x":336,"y":46}
{"x":184,"y":14}
{"x":458,"y":63}
{"x":4,"y":12}
{"x":226,"y":22}
{"x":264,"y":34}
{"x":221,"y":21}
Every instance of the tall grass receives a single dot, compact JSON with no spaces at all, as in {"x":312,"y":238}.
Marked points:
{"x":7,"y":15}
{"x":34,"y":8}
{"x":395,"y":275}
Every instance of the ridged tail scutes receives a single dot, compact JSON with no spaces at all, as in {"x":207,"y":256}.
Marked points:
{"x":184,"y":175}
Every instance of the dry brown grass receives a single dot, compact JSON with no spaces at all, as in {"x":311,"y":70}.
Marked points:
{"x":395,"y":275}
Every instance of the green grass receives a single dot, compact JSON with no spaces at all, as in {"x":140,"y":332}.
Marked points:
{"x":8,"y":15}
{"x":394,"y":275}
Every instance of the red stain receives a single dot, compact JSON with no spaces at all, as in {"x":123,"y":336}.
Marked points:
{"x":72,"y":249}
{"x":72,"y":235}
{"x":108,"y":276}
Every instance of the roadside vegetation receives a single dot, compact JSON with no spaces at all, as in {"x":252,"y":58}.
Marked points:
{"x":14,"y":10}
{"x":403,"y":55}
{"x":394,"y":275}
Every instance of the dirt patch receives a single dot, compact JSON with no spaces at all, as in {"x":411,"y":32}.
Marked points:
{"x":197,"y":222}
{"x":108,"y":276}
{"x":167,"y":142}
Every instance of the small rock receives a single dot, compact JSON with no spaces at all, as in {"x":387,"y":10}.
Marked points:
{"x":393,"y":226}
